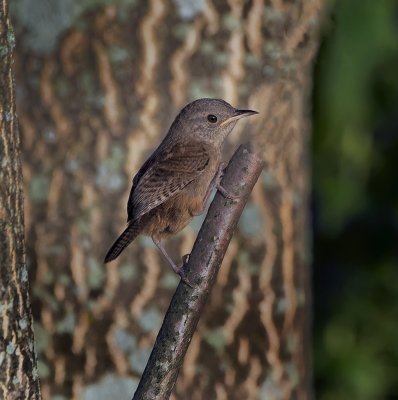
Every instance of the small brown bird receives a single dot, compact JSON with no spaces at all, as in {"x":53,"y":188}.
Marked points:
{"x":175,"y":182}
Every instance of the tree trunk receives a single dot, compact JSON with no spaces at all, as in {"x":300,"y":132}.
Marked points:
{"x":18,"y":369}
{"x":93,"y":103}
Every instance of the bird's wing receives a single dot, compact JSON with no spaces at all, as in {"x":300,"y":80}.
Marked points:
{"x":168,"y":173}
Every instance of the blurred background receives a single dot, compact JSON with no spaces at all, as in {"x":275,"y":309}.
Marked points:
{"x":354,"y":201}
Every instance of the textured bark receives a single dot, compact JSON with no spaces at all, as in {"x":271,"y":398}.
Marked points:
{"x":91,"y":109}
{"x":18,"y":369}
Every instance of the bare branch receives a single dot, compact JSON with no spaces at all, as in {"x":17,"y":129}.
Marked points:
{"x":207,"y":254}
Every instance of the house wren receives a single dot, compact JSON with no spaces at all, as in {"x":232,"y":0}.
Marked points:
{"x":175,"y":182}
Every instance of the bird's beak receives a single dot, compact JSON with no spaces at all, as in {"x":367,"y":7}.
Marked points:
{"x":238,"y":115}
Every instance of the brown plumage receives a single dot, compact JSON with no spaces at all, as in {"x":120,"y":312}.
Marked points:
{"x":174,"y":184}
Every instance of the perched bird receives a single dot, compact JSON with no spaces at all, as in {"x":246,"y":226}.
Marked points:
{"x":175,"y":182}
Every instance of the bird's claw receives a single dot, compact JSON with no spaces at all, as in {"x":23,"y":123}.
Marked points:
{"x":226,"y":194}
{"x":184,"y":278}
{"x":220,"y":188}
{"x":181,"y":270}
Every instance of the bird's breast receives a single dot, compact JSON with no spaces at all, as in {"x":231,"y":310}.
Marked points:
{"x":199,"y":186}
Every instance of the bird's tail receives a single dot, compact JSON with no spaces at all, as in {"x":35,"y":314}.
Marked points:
{"x":129,"y":234}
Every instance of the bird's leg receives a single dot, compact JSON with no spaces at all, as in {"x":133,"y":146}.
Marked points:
{"x":178,"y":270}
{"x":159,"y":245}
{"x":215,"y":184}
{"x":220,"y":188}
{"x":211,"y":187}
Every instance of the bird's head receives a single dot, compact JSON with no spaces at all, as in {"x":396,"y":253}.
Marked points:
{"x":210,"y":120}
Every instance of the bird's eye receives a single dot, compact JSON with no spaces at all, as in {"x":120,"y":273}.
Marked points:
{"x":212,"y":118}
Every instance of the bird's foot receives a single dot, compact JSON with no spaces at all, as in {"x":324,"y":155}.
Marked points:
{"x":221,"y":189}
{"x":221,"y":168}
{"x":178,"y":270}
{"x":182,"y":274}
{"x":226,"y":194}
{"x":181,"y":270}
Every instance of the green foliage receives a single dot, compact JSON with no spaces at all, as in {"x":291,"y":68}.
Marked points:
{"x":357,"y":352}
{"x":356,"y":203}
{"x":361,"y":41}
